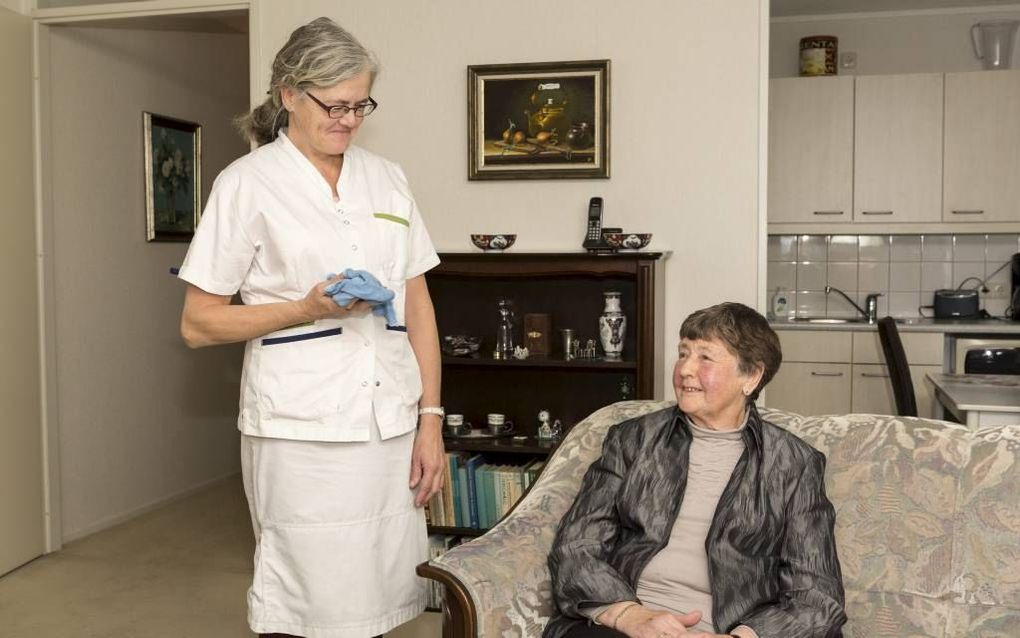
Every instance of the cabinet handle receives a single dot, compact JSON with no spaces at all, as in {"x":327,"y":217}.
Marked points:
{"x":876,"y":212}
{"x":874,"y":375}
{"x":826,"y":374}
{"x":968,"y":212}
{"x":828,"y":212}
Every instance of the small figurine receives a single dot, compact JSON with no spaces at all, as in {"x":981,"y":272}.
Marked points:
{"x":520,"y":352}
{"x":545,"y":431}
{"x":557,"y":429}
{"x":624,"y":389}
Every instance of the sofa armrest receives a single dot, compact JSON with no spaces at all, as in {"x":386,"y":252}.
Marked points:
{"x":499,"y":582}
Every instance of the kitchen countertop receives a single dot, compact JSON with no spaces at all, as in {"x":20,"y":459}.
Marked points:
{"x":915,"y":324}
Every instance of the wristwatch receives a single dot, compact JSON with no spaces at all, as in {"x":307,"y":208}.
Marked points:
{"x":437,"y":410}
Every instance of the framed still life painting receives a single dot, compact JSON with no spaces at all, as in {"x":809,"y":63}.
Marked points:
{"x":173,"y":177}
{"x":538,"y":120}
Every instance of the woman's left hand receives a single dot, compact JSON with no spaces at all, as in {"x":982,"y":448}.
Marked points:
{"x":427,"y":459}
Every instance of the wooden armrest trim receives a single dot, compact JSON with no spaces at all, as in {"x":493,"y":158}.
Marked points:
{"x":459,"y":617}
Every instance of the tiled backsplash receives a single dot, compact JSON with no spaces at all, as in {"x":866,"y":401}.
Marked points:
{"x":906,"y":269}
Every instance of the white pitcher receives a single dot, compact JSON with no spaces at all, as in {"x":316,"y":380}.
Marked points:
{"x":994,"y":45}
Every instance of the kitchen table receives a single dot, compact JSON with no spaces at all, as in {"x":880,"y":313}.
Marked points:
{"x":979,"y":399}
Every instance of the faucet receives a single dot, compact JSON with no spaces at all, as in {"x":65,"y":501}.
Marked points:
{"x":870,"y":302}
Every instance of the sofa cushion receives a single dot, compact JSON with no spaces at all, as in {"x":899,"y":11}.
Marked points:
{"x":921,"y":506}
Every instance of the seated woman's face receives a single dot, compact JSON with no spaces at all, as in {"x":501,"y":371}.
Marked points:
{"x":710,"y":388}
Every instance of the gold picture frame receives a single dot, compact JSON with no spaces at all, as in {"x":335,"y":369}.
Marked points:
{"x":544,"y":120}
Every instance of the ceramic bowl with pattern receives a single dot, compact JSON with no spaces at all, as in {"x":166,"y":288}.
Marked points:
{"x":627,"y":241}
{"x":460,"y":345}
{"x":494,"y":243}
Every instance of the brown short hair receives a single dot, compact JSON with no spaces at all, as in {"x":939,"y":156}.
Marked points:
{"x":746,"y":334}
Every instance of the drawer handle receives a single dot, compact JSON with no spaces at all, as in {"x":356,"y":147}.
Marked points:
{"x":828,"y":212}
{"x":874,"y":375}
{"x":876,"y":212}
{"x":968,"y":212}
{"x":826,"y":374}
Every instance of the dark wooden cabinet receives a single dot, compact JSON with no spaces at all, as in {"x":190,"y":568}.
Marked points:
{"x":465,"y":290}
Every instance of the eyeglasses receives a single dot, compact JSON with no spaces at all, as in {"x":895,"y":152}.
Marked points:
{"x":340,"y":110}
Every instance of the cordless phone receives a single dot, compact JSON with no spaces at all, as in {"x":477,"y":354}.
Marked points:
{"x":593,"y":234}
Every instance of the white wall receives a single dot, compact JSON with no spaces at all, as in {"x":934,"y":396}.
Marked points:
{"x":937,"y":42}
{"x":141,"y":417}
{"x":684,"y":124}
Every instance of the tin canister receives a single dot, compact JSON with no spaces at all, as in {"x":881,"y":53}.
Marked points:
{"x":818,"y":55}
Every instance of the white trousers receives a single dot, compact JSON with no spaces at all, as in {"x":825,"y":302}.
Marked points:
{"x":337,"y":536}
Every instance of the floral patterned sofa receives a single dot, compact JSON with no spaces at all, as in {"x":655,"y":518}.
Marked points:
{"x":927,"y":527}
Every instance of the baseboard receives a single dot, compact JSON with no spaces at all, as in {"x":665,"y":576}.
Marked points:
{"x":124,"y":517}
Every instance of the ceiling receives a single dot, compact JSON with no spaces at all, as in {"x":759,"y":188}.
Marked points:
{"x":788,"y":8}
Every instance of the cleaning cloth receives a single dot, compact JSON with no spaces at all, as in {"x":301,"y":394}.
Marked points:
{"x":361,"y":284}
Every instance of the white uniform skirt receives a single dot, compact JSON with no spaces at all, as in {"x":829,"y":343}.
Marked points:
{"x":337,"y":536}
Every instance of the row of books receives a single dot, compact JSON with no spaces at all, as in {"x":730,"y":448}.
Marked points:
{"x":439,"y":544}
{"x":477,"y":494}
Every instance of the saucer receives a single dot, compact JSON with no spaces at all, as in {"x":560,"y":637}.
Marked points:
{"x":478,"y":434}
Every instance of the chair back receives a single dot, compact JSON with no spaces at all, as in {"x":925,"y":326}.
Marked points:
{"x":896,"y":363}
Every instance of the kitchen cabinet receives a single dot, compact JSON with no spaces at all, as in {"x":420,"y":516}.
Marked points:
{"x":814,"y":377}
{"x":871,"y":390}
{"x":895,"y":153}
{"x":839,"y":372}
{"x":982,"y":147}
{"x":810,"y":388}
{"x":897,"y":173}
{"x":811,"y":128}
{"x":871,"y":387}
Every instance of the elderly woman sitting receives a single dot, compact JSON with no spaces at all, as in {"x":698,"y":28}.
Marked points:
{"x":702,"y":520}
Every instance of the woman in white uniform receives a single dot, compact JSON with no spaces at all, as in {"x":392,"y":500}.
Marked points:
{"x":335,"y":469}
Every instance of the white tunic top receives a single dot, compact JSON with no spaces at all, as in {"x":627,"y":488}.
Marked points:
{"x":272,"y":230}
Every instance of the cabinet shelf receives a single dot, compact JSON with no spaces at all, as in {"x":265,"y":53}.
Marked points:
{"x":510,"y":445}
{"x":537,"y":362}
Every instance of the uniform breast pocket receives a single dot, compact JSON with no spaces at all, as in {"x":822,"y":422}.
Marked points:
{"x":301,"y":376}
{"x":393,"y":229}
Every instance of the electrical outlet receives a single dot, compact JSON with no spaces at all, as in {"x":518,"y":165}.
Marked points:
{"x":848,"y":60}
{"x":995,"y":291}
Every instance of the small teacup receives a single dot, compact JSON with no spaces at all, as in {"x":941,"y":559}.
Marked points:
{"x":498,"y":424}
{"x":456,"y":425}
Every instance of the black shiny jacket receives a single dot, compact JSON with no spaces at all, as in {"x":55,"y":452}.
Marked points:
{"x":771,"y":551}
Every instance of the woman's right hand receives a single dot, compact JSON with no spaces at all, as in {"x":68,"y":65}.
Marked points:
{"x":642,"y":622}
{"x":318,"y":305}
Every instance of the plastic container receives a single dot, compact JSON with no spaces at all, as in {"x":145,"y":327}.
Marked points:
{"x":780,"y":305}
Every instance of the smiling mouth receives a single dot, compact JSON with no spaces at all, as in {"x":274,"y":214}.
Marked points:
{"x":687,"y":388}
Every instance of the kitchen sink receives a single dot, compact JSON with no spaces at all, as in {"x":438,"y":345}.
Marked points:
{"x":830,"y":320}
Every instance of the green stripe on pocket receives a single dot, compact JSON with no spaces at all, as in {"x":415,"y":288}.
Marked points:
{"x":392,"y":218}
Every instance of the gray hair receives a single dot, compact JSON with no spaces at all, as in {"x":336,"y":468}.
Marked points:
{"x":318,"y":54}
{"x":746,"y":334}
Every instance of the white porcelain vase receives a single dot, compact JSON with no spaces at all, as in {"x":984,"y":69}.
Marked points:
{"x":612,"y":327}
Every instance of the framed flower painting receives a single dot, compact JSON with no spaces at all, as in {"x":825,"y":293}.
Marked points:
{"x":173,"y":177}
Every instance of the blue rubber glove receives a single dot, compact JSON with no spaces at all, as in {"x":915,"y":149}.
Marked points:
{"x":361,"y":284}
